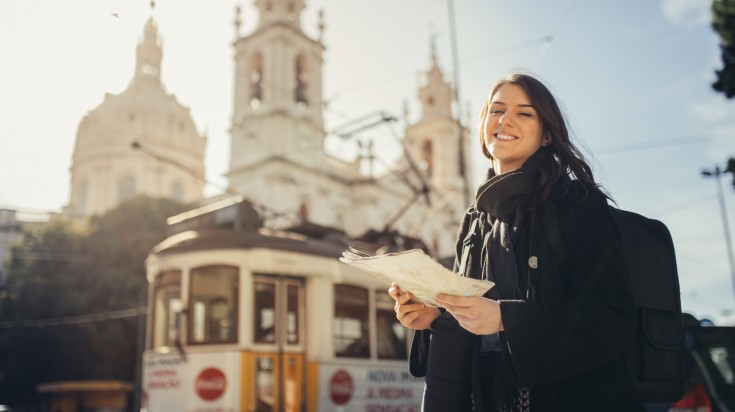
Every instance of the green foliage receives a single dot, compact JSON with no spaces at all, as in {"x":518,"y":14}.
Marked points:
{"x":723,"y":23}
{"x":61,"y":271}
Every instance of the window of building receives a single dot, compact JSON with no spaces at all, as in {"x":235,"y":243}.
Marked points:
{"x":351,"y":331}
{"x":304,"y":211}
{"x":256,"y":81}
{"x":177,"y":192}
{"x":391,"y":334}
{"x":301,"y":82}
{"x":427,"y":157}
{"x":166,"y":309}
{"x":82,"y":198}
{"x":214,"y":305}
{"x":126,"y":188}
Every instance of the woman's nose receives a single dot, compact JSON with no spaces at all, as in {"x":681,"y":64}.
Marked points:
{"x":505,"y":120}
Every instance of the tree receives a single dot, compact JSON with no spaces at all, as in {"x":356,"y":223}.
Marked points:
{"x":63,"y":271}
{"x":723,"y":23}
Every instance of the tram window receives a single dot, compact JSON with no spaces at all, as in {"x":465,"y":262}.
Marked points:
{"x":391,"y":334}
{"x":166,"y":308}
{"x":264,"y":314}
{"x":292,"y":312}
{"x":351,"y":332}
{"x":214,"y":304}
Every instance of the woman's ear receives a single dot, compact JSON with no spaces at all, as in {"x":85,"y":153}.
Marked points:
{"x":546,"y":140}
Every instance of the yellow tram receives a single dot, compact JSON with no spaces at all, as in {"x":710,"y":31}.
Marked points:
{"x":246,"y":318}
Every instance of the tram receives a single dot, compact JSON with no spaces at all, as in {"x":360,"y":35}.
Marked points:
{"x":246,"y":318}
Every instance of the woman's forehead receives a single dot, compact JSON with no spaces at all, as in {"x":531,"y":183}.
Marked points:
{"x":510,"y":93}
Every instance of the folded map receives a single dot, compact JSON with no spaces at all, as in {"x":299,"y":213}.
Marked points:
{"x":416,"y":272}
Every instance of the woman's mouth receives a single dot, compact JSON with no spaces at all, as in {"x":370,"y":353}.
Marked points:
{"x":504,"y":137}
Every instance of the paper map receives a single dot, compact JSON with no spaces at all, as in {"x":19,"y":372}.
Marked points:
{"x":414,"y":271}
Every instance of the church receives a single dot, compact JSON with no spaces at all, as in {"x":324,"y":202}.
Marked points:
{"x":143,"y":141}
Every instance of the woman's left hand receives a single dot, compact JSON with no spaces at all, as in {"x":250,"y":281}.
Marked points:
{"x":478,"y":315}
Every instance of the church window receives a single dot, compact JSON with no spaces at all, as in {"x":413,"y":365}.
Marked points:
{"x":256,"y":81}
{"x":82,"y":199}
{"x":301,"y":88}
{"x":303,"y":211}
{"x":149,"y":70}
{"x":427,"y":157}
{"x":291,"y":11}
{"x":177,"y":192}
{"x":125,"y":188}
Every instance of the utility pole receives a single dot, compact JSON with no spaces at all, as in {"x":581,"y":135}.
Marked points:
{"x":463,"y":157}
{"x":717,"y":173}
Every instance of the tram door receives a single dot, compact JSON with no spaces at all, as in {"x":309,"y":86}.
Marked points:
{"x":278,"y":336}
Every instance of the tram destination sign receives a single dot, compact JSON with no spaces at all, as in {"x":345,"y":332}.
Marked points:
{"x":416,"y":272}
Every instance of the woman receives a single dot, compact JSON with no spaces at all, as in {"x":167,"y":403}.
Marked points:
{"x":540,"y":339}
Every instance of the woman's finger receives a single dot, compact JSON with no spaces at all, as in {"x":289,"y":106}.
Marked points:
{"x":394,"y":291}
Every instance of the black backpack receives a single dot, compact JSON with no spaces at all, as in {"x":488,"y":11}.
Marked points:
{"x":654,"y":356}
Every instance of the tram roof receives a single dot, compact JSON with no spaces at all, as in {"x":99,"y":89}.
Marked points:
{"x":207,"y":239}
{"x":234,"y":223}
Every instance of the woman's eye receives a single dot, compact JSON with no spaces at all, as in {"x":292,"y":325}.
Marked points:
{"x":525,"y":114}
{"x":496,"y":111}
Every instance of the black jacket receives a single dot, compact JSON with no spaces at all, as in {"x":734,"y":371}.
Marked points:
{"x":565,"y":345}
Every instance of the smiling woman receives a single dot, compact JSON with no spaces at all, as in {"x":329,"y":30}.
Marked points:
{"x":545,"y":338}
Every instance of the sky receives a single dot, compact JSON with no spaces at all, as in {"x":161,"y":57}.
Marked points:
{"x":633,"y":78}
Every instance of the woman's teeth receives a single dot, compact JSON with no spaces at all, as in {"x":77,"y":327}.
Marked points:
{"x":504,"y":137}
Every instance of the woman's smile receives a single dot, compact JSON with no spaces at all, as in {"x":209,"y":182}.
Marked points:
{"x":504,"y":137}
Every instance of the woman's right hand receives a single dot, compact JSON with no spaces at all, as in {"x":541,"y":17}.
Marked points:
{"x":411,"y":314}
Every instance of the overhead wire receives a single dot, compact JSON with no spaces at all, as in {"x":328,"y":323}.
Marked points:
{"x":656,"y":144}
{"x":701,"y":262}
{"x":685,"y":205}
{"x":57,"y":257}
{"x":74,"y":320}
{"x":560,"y":25}
{"x":398,"y":77}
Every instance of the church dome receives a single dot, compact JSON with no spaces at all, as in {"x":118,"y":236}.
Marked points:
{"x":168,"y":160}
{"x":144,"y":112}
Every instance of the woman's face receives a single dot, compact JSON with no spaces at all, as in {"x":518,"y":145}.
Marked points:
{"x":513,"y":129}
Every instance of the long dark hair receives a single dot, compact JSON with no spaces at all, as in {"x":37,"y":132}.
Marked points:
{"x":560,"y":160}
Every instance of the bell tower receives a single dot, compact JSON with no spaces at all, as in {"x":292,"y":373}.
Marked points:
{"x":434,"y":140}
{"x":278,"y":91}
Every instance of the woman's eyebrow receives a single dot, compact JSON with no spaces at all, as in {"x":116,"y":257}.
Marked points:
{"x":520,"y":105}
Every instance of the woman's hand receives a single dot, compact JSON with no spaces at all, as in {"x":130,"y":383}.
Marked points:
{"x":411,"y":314}
{"x":478,"y":315}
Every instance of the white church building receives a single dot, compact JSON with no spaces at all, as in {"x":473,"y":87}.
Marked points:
{"x":277,"y":159}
